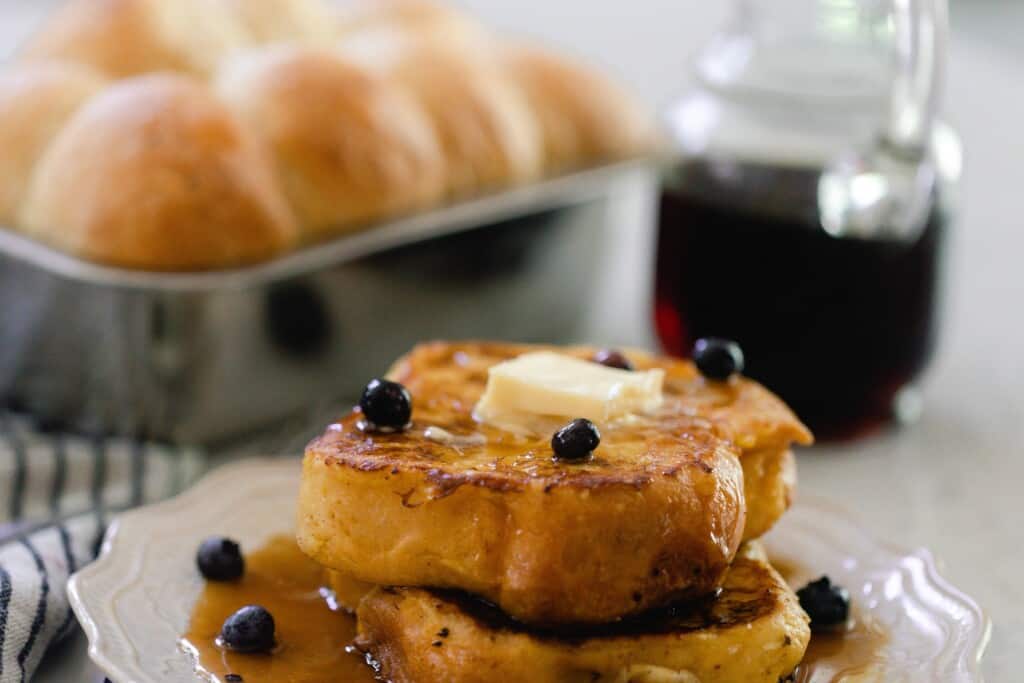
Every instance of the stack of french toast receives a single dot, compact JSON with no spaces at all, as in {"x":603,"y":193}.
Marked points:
{"x":499,"y":512}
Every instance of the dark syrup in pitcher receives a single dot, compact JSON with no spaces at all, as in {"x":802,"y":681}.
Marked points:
{"x":837,"y":327}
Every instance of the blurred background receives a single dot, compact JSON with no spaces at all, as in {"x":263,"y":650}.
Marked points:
{"x":949,"y":478}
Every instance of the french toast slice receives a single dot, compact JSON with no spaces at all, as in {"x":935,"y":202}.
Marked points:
{"x":655,"y":516}
{"x":769,"y":484}
{"x":753,"y":631}
{"x":769,"y":480}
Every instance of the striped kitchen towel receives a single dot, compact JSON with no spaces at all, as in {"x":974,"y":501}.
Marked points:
{"x":56,"y":494}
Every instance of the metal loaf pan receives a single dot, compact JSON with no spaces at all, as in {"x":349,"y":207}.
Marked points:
{"x":201,"y":357}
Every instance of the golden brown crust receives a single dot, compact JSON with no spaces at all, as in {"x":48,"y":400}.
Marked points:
{"x":585,"y":118}
{"x":769,"y":482}
{"x":489,"y":135}
{"x":35,"y":101}
{"x":154,"y":173}
{"x":559,"y":554}
{"x":754,"y":631}
{"x":359,"y":149}
{"x":130,"y":37}
{"x":656,"y":514}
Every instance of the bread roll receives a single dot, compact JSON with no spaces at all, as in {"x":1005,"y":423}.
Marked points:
{"x":349,"y":145}
{"x":419,"y":16}
{"x":274,"y":21}
{"x":35,"y":101}
{"x":155,"y":173}
{"x":350,"y":113}
{"x":489,"y":135}
{"x":128,"y":37}
{"x":584,"y":117}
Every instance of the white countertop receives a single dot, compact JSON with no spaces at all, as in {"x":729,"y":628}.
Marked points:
{"x":949,"y":482}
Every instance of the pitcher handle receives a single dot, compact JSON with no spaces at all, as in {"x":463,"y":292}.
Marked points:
{"x":921,"y":32}
{"x":887,"y":189}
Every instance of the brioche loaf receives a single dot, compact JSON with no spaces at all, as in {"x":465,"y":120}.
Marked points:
{"x":348,"y":146}
{"x":35,"y":102}
{"x":155,"y":173}
{"x":288,"y":121}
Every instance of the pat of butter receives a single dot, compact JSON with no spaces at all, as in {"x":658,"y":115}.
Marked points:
{"x":546,"y":383}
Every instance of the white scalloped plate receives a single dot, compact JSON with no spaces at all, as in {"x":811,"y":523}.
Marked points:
{"x":134,"y":602}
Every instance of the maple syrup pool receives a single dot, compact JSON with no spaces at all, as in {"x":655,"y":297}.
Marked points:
{"x":313,"y":633}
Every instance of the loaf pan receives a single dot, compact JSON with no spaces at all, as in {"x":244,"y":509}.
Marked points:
{"x":205,"y":357}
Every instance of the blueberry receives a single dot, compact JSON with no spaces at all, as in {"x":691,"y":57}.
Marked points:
{"x":250,"y":629}
{"x":576,"y":440}
{"x":717,"y":358}
{"x":826,"y":604}
{"x":613,"y":359}
{"x":386,"y":404}
{"x":220,"y":559}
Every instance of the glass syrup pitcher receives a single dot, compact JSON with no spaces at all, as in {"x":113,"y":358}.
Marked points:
{"x":805,"y":209}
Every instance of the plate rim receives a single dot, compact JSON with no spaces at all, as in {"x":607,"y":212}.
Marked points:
{"x":106,"y":555}
{"x":290,"y":466}
{"x":932,"y":566}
